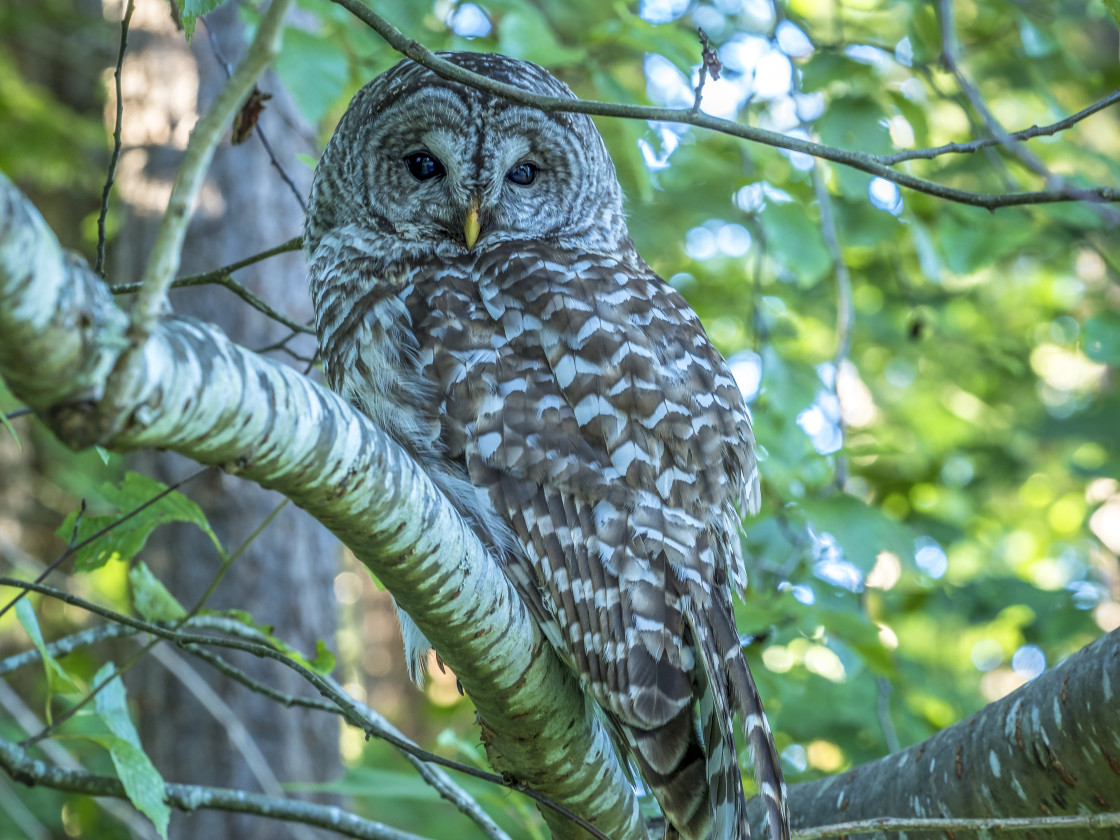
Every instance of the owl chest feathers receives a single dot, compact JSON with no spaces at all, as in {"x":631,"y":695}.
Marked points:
{"x":582,"y":373}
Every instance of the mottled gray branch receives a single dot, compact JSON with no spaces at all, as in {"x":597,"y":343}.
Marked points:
{"x":198,"y":394}
{"x":1051,"y":748}
{"x":862,"y":161}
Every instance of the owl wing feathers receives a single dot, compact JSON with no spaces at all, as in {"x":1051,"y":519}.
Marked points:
{"x":606,"y":432}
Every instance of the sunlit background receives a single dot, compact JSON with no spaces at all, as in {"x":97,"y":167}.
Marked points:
{"x":932,"y":385}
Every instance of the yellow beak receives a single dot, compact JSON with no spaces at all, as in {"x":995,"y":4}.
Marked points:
{"x":472,"y":226}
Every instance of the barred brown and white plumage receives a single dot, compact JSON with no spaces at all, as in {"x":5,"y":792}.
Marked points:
{"x":478,"y":295}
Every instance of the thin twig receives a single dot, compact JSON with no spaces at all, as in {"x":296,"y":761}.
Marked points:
{"x":215,"y":48}
{"x":29,"y":771}
{"x":709,"y":65}
{"x":882,"y":825}
{"x":1014,"y":137}
{"x":857,"y":160}
{"x":224,"y":277}
{"x":950,"y":56}
{"x":845,"y":311}
{"x":236,"y":731}
{"x":99,"y":266}
{"x":372,"y":723}
{"x":883,"y":711}
{"x":17,"y":412}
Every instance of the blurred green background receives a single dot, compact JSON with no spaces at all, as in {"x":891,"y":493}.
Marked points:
{"x":937,"y":414}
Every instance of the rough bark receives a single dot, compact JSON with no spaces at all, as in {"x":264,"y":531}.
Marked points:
{"x":1051,"y":748}
{"x":285,"y":577}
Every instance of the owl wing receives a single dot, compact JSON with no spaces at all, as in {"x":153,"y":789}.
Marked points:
{"x":614,"y":440}
{"x":587,"y":403}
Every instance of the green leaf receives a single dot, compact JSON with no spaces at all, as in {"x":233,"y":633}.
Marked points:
{"x":324,"y":660}
{"x":142,"y":782}
{"x":314,"y":71}
{"x":194,"y":9}
{"x":11,"y":430}
{"x":151,"y":598}
{"x":1114,"y":7}
{"x":125,"y":540}
{"x":1102,"y":336}
{"x":795,"y":242}
{"x":57,"y":677}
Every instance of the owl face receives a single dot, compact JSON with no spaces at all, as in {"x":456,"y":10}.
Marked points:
{"x":432,"y":164}
{"x":473,"y":171}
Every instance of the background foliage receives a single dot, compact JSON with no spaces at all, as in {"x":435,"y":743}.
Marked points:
{"x":933,"y":386}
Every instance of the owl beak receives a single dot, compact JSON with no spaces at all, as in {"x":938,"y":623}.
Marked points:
{"x":472,"y":226}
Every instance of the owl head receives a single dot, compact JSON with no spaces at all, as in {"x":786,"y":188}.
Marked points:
{"x":443,"y":168}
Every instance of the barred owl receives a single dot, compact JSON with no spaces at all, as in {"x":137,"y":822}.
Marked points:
{"x":478,"y":295}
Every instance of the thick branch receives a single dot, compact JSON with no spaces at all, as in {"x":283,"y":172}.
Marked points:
{"x":857,"y":160}
{"x":1049,"y":749}
{"x":202,"y":396}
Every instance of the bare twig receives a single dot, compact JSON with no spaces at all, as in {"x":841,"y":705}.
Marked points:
{"x":99,"y":266}
{"x":236,"y":731}
{"x":950,"y":56}
{"x":1014,"y":137}
{"x":216,"y":49}
{"x":27,"y":770}
{"x":992,"y":824}
{"x":845,"y":312}
{"x":709,"y":65}
{"x":883,"y":712}
{"x":224,"y":277}
{"x":857,"y":160}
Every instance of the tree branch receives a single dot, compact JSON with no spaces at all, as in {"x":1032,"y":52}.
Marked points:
{"x":224,"y":277}
{"x":987,"y":142}
{"x":23,"y":768}
{"x":1050,"y":749}
{"x":248,"y":640}
{"x":870,"y":164}
{"x":167,"y":248}
{"x":216,"y":402}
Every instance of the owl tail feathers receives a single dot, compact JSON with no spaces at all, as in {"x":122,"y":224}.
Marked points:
{"x":730,"y":688}
{"x":671,"y":761}
{"x":416,"y":647}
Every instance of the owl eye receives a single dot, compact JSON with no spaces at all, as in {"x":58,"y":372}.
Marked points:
{"x":423,"y":166}
{"x":523,"y":174}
